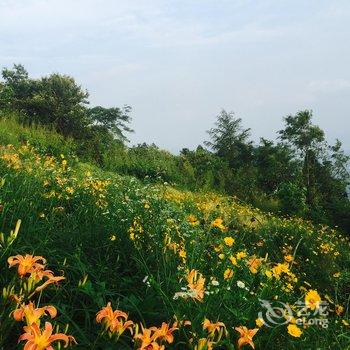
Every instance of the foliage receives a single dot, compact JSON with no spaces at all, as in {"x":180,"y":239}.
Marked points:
{"x":59,"y":102}
{"x":113,"y":120}
{"x":229,"y":139}
{"x":233,"y":164}
{"x":191,"y":260}
{"x":292,"y":197}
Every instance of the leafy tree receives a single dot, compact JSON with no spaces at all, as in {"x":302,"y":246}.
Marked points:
{"x":113,"y":120}
{"x":340,"y":163}
{"x":55,"y":100}
{"x":229,"y":140}
{"x":324,"y":170}
{"x":60,"y":102}
{"x":275,"y":165}
{"x":16,"y":90}
{"x":210,"y":171}
{"x":308,"y":141}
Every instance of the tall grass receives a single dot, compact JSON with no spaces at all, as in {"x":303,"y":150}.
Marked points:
{"x":133,"y":244}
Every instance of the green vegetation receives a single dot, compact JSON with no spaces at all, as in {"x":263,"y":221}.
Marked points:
{"x":177,"y":239}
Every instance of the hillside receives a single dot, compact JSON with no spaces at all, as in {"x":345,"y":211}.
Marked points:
{"x":203,"y":263}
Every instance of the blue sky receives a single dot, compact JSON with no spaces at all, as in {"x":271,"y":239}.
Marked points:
{"x":178,"y":63}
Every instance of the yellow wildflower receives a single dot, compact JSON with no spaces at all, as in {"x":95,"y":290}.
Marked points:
{"x":241,"y":255}
{"x":193,"y":220}
{"x":254,"y":263}
{"x":229,"y":241}
{"x":259,"y":322}
{"x":233,"y":260}
{"x":312,"y":299}
{"x":69,"y":190}
{"x":182,"y":253}
{"x":268,"y":273}
{"x":218,"y":222}
{"x":228,"y":274}
{"x":294,"y":330}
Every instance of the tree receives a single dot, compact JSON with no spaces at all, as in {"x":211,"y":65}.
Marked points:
{"x":275,"y":165}
{"x":308,"y":141}
{"x":229,"y":140}
{"x":16,"y":90}
{"x":340,"y":163}
{"x":210,"y":170}
{"x":60,"y":101}
{"x":113,"y":120}
{"x":56,"y":100}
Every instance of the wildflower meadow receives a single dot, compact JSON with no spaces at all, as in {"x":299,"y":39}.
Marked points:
{"x":94,"y":260}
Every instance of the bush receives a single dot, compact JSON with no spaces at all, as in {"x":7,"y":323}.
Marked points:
{"x":292,"y":197}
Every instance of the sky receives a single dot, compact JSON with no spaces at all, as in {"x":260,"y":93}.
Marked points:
{"x":178,"y":63}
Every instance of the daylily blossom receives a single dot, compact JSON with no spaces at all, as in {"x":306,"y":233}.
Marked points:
{"x":32,"y":314}
{"x":212,"y":327}
{"x":116,"y":321}
{"x":196,"y":284}
{"x":164,"y":332}
{"x":246,"y":336}
{"x":148,"y":340}
{"x":26,"y":264}
{"x":42,"y":339}
{"x":38,"y":275}
{"x":51,"y":280}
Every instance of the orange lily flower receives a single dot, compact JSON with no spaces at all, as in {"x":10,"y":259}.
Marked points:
{"x":115,"y":321}
{"x":32,"y":314}
{"x":38,"y":275}
{"x":51,"y":280}
{"x":122,"y":325}
{"x":41,"y":340}
{"x":164,"y":332}
{"x":148,"y":340}
{"x":26,"y":264}
{"x":196,"y":284}
{"x":214,"y":327}
{"x":246,"y":336}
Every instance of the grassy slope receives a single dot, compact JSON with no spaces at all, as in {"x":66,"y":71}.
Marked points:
{"x":116,"y":230}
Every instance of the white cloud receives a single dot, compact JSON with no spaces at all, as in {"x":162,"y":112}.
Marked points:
{"x":182,"y":60}
{"x":329,"y":86}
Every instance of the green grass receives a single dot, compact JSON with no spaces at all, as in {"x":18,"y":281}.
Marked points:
{"x":80,"y":219}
